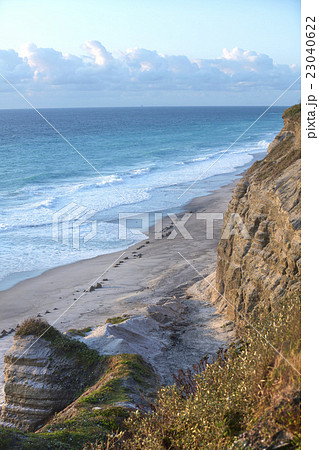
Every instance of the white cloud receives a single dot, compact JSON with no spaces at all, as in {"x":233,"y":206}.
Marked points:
{"x":139,"y":69}
{"x":14,"y":67}
{"x":100,"y":55}
{"x":50,"y":66}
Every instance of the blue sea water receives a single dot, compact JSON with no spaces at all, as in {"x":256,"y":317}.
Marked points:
{"x":146,"y":158}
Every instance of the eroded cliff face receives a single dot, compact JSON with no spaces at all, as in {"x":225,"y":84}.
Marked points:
{"x":258,"y":268}
{"x":40,"y":380}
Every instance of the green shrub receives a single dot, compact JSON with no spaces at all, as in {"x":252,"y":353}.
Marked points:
{"x":37,"y":327}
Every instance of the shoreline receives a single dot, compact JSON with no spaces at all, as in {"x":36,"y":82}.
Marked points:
{"x":223,"y":179}
{"x":57,"y":287}
{"x":132,"y":287}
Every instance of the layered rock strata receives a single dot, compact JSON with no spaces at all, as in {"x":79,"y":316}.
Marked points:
{"x":39,"y":381}
{"x":258,"y":258}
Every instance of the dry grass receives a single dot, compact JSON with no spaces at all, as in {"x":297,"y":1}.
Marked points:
{"x":37,"y":327}
{"x":245,"y":399}
{"x":65,"y":345}
{"x":249,"y":388}
{"x":293,"y":112}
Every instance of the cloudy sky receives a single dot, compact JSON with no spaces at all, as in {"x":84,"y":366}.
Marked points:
{"x":150,"y":52}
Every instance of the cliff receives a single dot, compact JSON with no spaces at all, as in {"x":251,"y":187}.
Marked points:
{"x":67,"y":392}
{"x":258,"y":258}
{"x":44,"y":374}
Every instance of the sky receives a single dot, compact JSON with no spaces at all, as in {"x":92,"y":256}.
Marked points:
{"x":148,"y":52}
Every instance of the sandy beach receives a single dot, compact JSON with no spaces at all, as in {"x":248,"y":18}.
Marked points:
{"x":130,"y":287}
{"x":60,"y":295}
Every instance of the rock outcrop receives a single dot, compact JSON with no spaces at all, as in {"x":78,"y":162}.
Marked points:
{"x":43,"y":376}
{"x":258,"y":258}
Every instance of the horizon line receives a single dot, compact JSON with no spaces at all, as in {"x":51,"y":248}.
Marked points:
{"x":149,"y":106}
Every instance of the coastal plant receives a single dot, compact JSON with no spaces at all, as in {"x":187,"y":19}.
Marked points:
{"x":249,"y":394}
{"x":117,"y":320}
{"x":250,"y":388}
{"x":67,"y":346}
{"x":83,"y":332}
{"x":185,"y":379}
{"x":37,"y":327}
{"x":96,"y":418}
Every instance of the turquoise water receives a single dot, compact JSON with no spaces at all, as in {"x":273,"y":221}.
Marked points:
{"x":147,"y":157}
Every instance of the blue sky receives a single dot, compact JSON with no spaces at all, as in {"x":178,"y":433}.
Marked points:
{"x":127,"y":53}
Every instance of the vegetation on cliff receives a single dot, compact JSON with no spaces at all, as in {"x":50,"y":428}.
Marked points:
{"x":98,"y":414}
{"x":249,"y":396}
{"x":83,"y":355}
{"x":100,"y":411}
{"x":44,"y":372}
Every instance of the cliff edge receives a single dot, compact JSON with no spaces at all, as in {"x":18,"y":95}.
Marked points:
{"x":259,"y":261}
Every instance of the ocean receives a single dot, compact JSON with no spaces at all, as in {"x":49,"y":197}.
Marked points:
{"x":143,"y":161}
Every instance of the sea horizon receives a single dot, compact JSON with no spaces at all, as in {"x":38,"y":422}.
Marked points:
{"x":142,"y":106}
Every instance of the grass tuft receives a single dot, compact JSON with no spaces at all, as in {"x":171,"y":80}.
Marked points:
{"x":83,"y":332}
{"x":37,"y":327}
{"x":65,"y":345}
{"x":116,"y":320}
